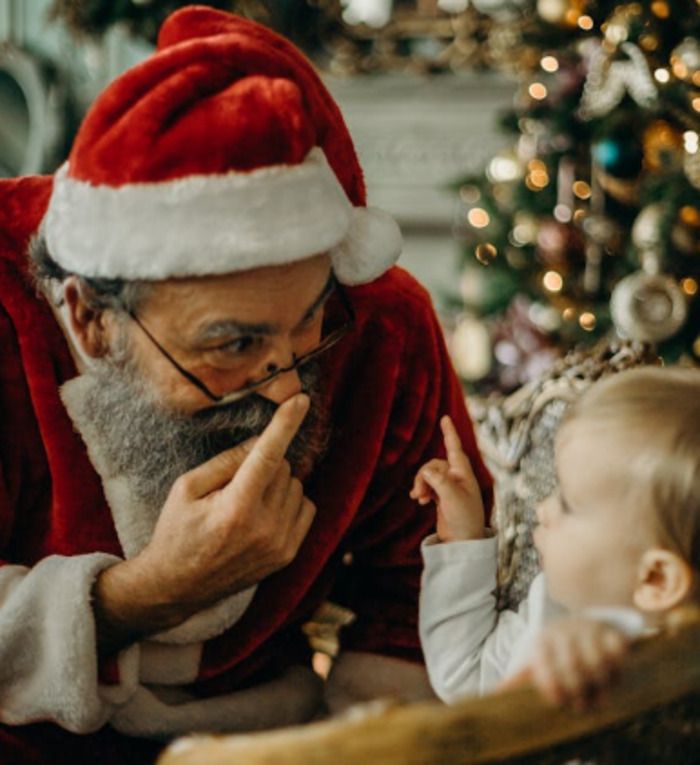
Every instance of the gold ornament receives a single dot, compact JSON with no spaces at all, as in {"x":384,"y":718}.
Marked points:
{"x":560,"y":12}
{"x":617,"y":27}
{"x":623,"y":190}
{"x":685,"y":59}
{"x":663,"y":146}
{"x":685,"y":233}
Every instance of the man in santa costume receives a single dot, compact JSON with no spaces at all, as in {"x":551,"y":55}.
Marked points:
{"x":213,"y":407}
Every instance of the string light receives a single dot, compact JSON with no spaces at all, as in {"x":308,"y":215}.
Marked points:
{"x":662,"y":75}
{"x":503,"y":169}
{"x":537,"y":91}
{"x":660,"y":8}
{"x":571,"y":17}
{"x":562,"y":213}
{"x":689,"y":215}
{"x":470,"y":195}
{"x":649,"y":42}
{"x":553,"y":281}
{"x":524,"y":232}
{"x":586,"y":23}
{"x":587,"y":321}
{"x":485,"y":253}
{"x":581,"y":189}
{"x":478,"y":217}
{"x":537,"y":180}
{"x":690,"y":141}
{"x":549,"y":64}
{"x":689,"y":286}
{"x":680,"y":70}
{"x":695,"y":103}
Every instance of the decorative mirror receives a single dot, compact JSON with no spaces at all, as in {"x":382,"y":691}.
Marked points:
{"x":33,"y":110}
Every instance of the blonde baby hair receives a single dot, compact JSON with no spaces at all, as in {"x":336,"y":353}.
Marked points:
{"x":659,"y":409}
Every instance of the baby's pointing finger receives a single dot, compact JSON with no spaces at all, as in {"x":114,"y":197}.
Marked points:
{"x":456,"y":457}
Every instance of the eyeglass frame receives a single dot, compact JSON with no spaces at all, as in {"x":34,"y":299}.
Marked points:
{"x":237,"y":395}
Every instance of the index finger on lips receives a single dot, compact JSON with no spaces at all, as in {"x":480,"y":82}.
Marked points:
{"x":218,"y":471}
{"x":260,"y":466}
{"x":456,"y":457}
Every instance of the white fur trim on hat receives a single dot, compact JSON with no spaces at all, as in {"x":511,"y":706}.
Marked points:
{"x":214,"y":224}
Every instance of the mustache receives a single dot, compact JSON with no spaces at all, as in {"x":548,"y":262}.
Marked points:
{"x":153,"y":446}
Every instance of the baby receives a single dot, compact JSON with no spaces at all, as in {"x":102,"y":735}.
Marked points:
{"x":619,"y":545}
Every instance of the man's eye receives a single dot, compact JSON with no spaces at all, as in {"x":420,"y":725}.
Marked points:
{"x":312,"y":318}
{"x":240,"y":345}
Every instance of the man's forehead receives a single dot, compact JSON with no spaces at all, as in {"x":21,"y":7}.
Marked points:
{"x":256,"y":297}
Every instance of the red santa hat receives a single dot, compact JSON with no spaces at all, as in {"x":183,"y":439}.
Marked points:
{"x":222,"y":152}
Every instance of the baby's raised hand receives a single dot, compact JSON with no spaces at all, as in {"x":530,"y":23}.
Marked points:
{"x":452,"y":485}
{"x":575,"y":660}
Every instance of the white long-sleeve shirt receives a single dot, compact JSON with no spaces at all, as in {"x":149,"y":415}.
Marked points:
{"x":469,"y":646}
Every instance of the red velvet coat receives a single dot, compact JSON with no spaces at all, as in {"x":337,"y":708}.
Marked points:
{"x":390,"y":382}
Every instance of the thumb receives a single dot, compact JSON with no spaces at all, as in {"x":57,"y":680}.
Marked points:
{"x":215,"y":473}
{"x":448,"y":493}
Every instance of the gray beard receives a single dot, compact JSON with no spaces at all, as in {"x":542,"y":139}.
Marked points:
{"x":151,"y":446}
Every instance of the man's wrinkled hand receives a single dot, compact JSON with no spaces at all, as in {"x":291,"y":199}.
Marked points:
{"x":225,"y":526}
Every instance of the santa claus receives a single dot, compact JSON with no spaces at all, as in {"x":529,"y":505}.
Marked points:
{"x":213,"y":407}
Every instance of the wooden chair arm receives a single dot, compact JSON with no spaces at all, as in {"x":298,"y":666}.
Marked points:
{"x":478,"y":730}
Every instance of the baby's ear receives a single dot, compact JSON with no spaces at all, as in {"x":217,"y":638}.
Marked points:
{"x":664,"y":580}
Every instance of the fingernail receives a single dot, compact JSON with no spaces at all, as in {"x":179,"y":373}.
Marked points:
{"x":301,"y":401}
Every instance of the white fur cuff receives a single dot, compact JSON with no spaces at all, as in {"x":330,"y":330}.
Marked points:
{"x":48,"y":655}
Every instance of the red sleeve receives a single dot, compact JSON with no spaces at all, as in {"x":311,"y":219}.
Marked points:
{"x":381,"y":583}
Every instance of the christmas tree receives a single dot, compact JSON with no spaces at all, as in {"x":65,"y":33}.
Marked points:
{"x":589,"y":226}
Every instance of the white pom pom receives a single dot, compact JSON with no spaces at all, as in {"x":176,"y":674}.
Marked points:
{"x":371,"y":246}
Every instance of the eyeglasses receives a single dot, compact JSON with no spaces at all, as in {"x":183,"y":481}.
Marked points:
{"x":327,"y":341}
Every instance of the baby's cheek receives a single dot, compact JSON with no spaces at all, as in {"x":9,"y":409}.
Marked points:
{"x":538,"y":539}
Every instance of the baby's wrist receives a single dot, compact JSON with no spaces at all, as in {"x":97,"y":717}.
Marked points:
{"x":445,"y":537}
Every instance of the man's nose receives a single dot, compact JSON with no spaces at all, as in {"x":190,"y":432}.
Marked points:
{"x":285,"y":384}
{"x":282,"y":387}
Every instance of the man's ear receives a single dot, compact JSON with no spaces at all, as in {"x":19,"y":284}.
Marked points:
{"x":664,"y":581}
{"x":86,"y":322}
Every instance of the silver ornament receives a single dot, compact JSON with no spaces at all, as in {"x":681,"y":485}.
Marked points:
{"x":646,"y":229}
{"x":607,"y":83}
{"x":495,"y":8}
{"x":648,"y":307}
{"x":691,"y":167}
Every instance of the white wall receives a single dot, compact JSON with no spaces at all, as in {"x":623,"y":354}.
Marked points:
{"x":416,"y":136}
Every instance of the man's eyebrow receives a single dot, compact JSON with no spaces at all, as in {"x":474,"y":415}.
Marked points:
{"x":229,"y":327}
